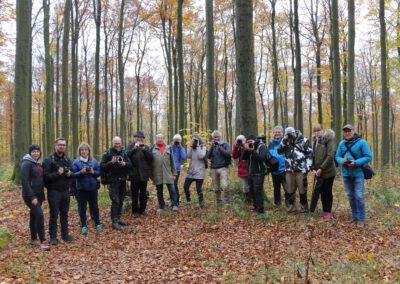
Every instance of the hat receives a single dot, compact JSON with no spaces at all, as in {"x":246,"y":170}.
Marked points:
{"x":241,"y":138}
{"x":251,"y":137}
{"x":139,"y":134}
{"x":348,"y":126}
{"x":33,"y":147}
{"x":177,"y":137}
{"x":290,"y":130}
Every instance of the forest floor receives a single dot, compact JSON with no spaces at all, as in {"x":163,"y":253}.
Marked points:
{"x":229,"y":245}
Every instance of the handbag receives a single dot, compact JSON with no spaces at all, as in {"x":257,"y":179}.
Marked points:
{"x":367,"y":169}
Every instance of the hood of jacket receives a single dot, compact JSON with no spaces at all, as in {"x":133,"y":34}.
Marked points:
{"x":28,"y":157}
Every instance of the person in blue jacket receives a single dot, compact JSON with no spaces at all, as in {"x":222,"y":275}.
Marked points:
{"x":352,"y":154}
{"x":86,"y":171}
{"x":278,"y":176}
{"x":179,"y":155}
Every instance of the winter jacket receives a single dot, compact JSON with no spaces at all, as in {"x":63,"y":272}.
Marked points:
{"x":220,"y":157}
{"x":242,"y":165}
{"x":197,"y":166}
{"x":53,"y":180}
{"x":32,"y":179}
{"x":298,"y":154}
{"x":256,"y":160}
{"x":142,"y":163}
{"x":273,"y":151}
{"x":115,"y":172}
{"x":324,"y":154}
{"x":179,"y":155}
{"x":163,"y":165}
{"x":362,"y":151}
{"x":86,"y":181}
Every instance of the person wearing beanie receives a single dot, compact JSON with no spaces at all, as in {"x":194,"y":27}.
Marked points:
{"x":179,"y":156}
{"x":237,"y":152}
{"x":33,"y":194}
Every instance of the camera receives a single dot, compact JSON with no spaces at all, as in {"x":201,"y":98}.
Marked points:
{"x":141,"y":145}
{"x":349,"y":161}
{"x":176,"y":143}
{"x":239,"y":142}
{"x":88,"y":168}
{"x":120,"y":159}
{"x":216,"y":143}
{"x":251,"y":145}
{"x":67,"y":171}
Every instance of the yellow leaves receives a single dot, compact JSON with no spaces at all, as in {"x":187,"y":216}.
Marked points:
{"x":357,"y":257}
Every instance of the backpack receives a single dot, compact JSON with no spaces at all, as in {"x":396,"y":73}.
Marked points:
{"x":103,"y":175}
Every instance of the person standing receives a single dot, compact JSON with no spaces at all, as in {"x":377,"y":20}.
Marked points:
{"x":33,"y":194}
{"x":58,"y":180}
{"x":179,"y":156}
{"x":86,"y":171}
{"x":352,"y":154}
{"x":142,"y":159}
{"x":243,"y":175}
{"x":115,"y":164}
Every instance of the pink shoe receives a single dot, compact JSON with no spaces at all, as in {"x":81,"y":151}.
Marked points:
{"x":323,"y":214}
{"x":328,"y":215}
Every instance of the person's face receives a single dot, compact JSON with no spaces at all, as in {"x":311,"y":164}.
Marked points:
{"x":60,"y":146}
{"x":35,"y":154}
{"x":84,"y":152}
{"x":278,"y":134}
{"x":160,"y":139}
{"x":217,"y":137}
{"x":139,"y":139}
{"x":117,"y":144}
{"x":348,"y":133}
{"x":319,"y":133}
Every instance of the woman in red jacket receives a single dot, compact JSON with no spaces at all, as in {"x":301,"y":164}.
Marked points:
{"x":242,"y":167}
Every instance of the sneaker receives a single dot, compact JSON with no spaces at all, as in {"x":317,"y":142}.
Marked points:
{"x":53,"y":242}
{"x":68,"y":239}
{"x":45,"y":246}
{"x":99,"y":228}
{"x":135,"y":215}
{"x":292,"y":208}
{"x":303,"y":209}
{"x":323,"y":214}
{"x":160,"y":210}
{"x":328,"y":215}
{"x":122,"y":222}
{"x":84,"y":230}
{"x":352,"y":220}
{"x":360,"y":224}
{"x":175,"y":208}
{"x":188,"y":202}
{"x":116,"y":226}
{"x":34,"y":242}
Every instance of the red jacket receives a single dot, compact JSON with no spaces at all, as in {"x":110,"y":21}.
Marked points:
{"x":242,"y":166}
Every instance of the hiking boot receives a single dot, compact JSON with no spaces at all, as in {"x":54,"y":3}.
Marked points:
{"x":53,"y":242}
{"x":360,"y":224}
{"x":116,"y":226}
{"x":303,"y":209}
{"x":34,"y":242}
{"x":175,"y":208}
{"x":68,"y":239}
{"x":135,"y":215}
{"x":99,"y":228}
{"x":45,"y":246}
{"x":352,"y":220}
{"x":84,"y":230}
{"x":292,"y":208}
{"x":122,"y":223}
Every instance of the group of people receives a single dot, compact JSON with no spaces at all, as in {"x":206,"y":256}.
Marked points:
{"x":289,"y":157}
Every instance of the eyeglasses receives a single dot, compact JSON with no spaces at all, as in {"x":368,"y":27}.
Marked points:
{"x":61,"y":145}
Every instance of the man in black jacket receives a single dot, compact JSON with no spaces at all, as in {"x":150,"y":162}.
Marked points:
{"x":142,"y":160}
{"x":115,"y":164}
{"x":255,"y":152}
{"x":58,"y":179}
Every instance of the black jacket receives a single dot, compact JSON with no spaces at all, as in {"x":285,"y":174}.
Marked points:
{"x":142,"y":161}
{"x":256,"y":159}
{"x":32,"y":179}
{"x":115,"y":172}
{"x":220,"y":157}
{"x":53,"y":180}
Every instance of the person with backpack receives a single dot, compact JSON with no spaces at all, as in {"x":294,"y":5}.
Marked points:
{"x":298,"y":160}
{"x":243,"y":175}
{"x":164,"y":172}
{"x":33,"y":194}
{"x":324,"y":169}
{"x":278,"y":176}
{"x":58,"y":179}
{"x":353,"y":153}
{"x":255,"y":153}
{"x":179,"y":156}
{"x":197,"y":168}
{"x":220,"y":156}
{"x":86,"y":171}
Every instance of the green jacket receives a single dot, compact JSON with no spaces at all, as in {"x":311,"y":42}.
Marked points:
{"x":163,"y":165}
{"x":324,"y":154}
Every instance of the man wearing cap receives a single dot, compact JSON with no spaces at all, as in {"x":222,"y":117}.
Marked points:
{"x":179,"y":156}
{"x":298,"y":154}
{"x":142,"y":160}
{"x":352,"y":154}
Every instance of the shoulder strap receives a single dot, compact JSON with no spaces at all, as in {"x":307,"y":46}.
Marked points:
{"x":349,"y":150}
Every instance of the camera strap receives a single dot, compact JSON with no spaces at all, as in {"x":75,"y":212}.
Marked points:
{"x":349,"y":150}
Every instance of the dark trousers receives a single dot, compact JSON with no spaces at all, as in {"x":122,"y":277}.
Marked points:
{"x":36,"y":221}
{"x":323,"y":187}
{"x":176,"y":186}
{"x":78,"y":203}
{"x":117,"y":192}
{"x":278,"y":181}
{"x":91,"y":197}
{"x":199,"y":184}
{"x":59,"y":205}
{"x":160,"y":195}
{"x":139,"y":196}
{"x":256,"y":184}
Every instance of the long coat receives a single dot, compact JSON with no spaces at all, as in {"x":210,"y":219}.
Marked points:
{"x":163,"y":165}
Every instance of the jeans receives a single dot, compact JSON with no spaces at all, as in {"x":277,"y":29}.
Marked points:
{"x":176,"y":186}
{"x":277,"y":181}
{"x":199,"y":184}
{"x":117,"y":193}
{"x":172,"y":195}
{"x":59,"y":205}
{"x":36,"y":221}
{"x":91,"y":197}
{"x":355,"y":193}
{"x":139,"y":196}
{"x":257,"y":191}
{"x":323,"y":187}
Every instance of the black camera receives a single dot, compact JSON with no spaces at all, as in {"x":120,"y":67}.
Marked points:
{"x":349,"y":161}
{"x":176,"y":143}
{"x":251,"y":145}
{"x":120,"y":159}
{"x":67,"y":171}
{"x":216,"y":143}
{"x":239,"y":142}
{"x":88,"y":168}
{"x":141,"y":144}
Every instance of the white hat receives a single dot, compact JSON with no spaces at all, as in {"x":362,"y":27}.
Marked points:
{"x":177,"y":137}
{"x":242,"y":138}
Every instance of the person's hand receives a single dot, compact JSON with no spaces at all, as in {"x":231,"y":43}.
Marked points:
{"x":35,"y":201}
{"x":318,"y":173}
{"x":351,"y":164}
{"x":113,"y":159}
{"x":60,"y":171}
{"x":92,"y":171}
{"x":137,"y":145}
{"x":173,"y":178}
{"x":123,"y":164}
{"x":246,"y":146}
{"x":83,"y":171}
{"x":344,"y":161}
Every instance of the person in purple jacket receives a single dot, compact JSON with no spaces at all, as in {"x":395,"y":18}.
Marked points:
{"x":86,"y":171}
{"x":179,"y":155}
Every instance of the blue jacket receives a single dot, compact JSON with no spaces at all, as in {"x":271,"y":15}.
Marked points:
{"x":85,"y":181}
{"x":179,"y":155}
{"x":273,"y":151}
{"x":362,"y":151}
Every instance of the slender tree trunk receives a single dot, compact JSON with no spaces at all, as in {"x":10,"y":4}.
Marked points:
{"x":74,"y":89}
{"x":297,"y":87}
{"x":58,"y":102}
{"x":179,"y":43}
{"x":121,"y":73}
{"x":211,"y":106}
{"x":96,"y":130}
{"x":344,"y":82}
{"x":275,"y":73}
{"x":350,"y":64}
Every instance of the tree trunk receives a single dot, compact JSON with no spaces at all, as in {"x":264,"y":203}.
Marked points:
{"x":275,"y":73}
{"x":179,"y":43}
{"x":96,"y":130}
{"x":74,"y":89}
{"x":211,"y":106}
{"x":350,"y":63}
{"x":297,"y":84}
{"x":121,"y":73}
